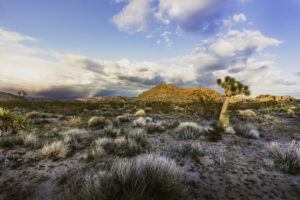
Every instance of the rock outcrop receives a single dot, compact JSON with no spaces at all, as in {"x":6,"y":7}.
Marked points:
{"x":275,"y":98}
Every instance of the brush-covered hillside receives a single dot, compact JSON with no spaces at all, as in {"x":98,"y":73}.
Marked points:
{"x":8,"y":97}
{"x":166,"y":93}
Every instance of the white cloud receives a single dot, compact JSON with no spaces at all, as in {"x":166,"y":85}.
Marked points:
{"x":134,"y":17}
{"x":239,"y":43}
{"x":189,"y":15}
{"x":75,"y":75}
{"x":239,"y":18}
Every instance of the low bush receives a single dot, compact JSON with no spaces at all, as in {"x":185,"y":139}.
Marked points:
{"x":33,"y":115}
{"x":73,"y":137}
{"x":98,"y":122}
{"x":153,"y":127}
{"x":141,"y":121}
{"x":215,"y":132}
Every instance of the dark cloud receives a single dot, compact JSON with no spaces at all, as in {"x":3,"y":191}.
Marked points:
{"x":154,"y":81}
{"x":236,"y":70}
{"x":63,"y":92}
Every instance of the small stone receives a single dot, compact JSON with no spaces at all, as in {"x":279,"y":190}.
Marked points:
{"x":206,"y":161}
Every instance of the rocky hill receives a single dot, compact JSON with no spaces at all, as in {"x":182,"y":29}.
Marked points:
{"x":8,"y":97}
{"x":165,"y":93}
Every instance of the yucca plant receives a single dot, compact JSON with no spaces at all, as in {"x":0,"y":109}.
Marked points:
{"x":232,"y":88}
{"x":19,"y":123}
{"x":6,"y":119}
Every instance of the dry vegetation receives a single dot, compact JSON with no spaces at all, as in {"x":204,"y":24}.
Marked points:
{"x":148,"y":150}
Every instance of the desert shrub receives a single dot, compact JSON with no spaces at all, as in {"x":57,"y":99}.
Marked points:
{"x":73,"y":137}
{"x":140,"y":113}
{"x":148,"y":177}
{"x":139,"y":135}
{"x":101,"y":148}
{"x":111,"y":132}
{"x":287,"y":157}
{"x":10,"y":141}
{"x":188,"y":130}
{"x":98,"y":122}
{"x":116,"y":122}
{"x":55,"y":151}
{"x":155,"y":127}
{"x":246,"y":129}
{"x":75,"y":121}
{"x":214,"y":133}
{"x":195,"y":151}
{"x":124,"y":118}
{"x":170,"y":124}
{"x":33,"y":115}
{"x":141,"y":121}
{"x":6,"y":119}
{"x":122,"y":146}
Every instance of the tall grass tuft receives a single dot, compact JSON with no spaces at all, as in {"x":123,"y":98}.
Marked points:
{"x":147,"y":177}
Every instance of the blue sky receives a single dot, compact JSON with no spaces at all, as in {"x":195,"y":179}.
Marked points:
{"x":123,"y":47}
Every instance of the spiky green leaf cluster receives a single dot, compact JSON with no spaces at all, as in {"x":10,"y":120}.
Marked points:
{"x":11,"y":121}
{"x":233,"y":87}
{"x":6,"y":119}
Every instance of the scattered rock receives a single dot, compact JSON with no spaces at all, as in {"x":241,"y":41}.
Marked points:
{"x":230,"y":130}
{"x":247,"y":113}
{"x":206,"y":161}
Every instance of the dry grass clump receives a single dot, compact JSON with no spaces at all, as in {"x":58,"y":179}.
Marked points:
{"x":74,"y":136}
{"x":153,"y":127}
{"x":247,"y":130}
{"x":287,"y":157}
{"x":29,"y":140}
{"x":55,"y":151}
{"x":194,"y":150}
{"x":98,"y":122}
{"x":140,"y":113}
{"x":189,"y":130}
{"x":33,"y":115}
{"x":101,"y":148}
{"x":123,"y":146}
{"x":139,"y":135}
{"x":141,"y":121}
{"x":75,"y":121}
{"x":147,"y":177}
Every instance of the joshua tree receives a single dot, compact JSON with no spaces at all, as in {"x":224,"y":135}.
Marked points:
{"x":232,"y":88}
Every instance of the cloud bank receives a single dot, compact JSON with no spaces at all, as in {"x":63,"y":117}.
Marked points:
{"x":70,"y":76}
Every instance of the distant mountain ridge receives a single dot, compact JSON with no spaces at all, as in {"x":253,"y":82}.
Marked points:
{"x":103,"y":98}
{"x":4,"y":96}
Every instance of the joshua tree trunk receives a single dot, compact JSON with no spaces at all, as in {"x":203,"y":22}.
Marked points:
{"x":224,"y":117}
